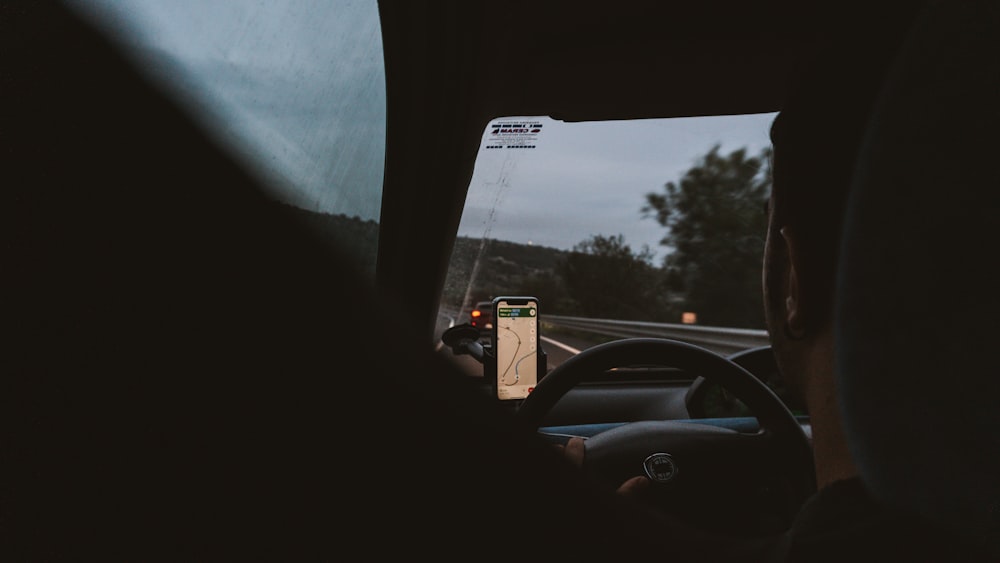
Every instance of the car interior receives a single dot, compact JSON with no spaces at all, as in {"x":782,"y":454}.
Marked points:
{"x":192,"y":372}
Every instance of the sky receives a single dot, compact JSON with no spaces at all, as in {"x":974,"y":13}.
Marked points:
{"x":297,"y":90}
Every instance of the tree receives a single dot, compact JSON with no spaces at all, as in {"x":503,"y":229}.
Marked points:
{"x":548,"y":287}
{"x":716,"y":226}
{"x":605,"y":279}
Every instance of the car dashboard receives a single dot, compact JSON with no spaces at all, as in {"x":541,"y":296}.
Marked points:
{"x":595,"y":407}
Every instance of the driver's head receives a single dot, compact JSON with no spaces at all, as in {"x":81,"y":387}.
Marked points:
{"x":815,"y":139}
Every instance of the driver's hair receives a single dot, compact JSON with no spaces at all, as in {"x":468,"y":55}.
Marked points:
{"x":815,"y":139}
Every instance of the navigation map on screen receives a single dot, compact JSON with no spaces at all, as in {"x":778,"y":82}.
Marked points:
{"x":516,"y":349}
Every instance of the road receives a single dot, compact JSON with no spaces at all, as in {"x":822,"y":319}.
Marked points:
{"x":561,"y":340}
{"x":558,"y":348}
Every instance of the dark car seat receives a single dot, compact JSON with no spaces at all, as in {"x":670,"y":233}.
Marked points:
{"x":919,"y":292}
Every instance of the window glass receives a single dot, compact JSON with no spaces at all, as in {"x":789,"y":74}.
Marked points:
{"x":295,"y":90}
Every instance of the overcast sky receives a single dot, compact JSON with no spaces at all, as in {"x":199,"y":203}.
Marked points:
{"x":297,"y":90}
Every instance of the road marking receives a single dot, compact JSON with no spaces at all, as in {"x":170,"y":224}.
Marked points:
{"x":569,"y":349}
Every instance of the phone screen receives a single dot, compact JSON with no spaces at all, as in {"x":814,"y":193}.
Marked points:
{"x":515,"y":346}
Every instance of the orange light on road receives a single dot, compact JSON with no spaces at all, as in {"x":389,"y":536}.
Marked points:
{"x":689,"y":318}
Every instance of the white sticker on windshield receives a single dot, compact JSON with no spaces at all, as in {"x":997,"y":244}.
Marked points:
{"x":513,"y":134}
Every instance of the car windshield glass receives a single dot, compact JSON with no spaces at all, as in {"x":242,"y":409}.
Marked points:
{"x":654,"y":220}
{"x":295,"y":92}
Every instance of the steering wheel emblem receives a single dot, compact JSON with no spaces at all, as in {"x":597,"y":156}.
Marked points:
{"x":660,"y":467}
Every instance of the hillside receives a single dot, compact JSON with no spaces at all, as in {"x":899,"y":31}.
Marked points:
{"x":501,"y":266}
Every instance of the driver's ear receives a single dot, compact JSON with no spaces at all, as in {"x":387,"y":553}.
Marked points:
{"x":795,"y":326}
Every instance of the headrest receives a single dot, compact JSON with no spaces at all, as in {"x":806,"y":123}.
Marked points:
{"x":918,"y":314}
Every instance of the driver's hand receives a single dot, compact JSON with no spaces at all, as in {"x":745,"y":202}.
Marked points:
{"x":574,"y":450}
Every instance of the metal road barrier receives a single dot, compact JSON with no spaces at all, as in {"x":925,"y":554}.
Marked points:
{"x":718,"y":339}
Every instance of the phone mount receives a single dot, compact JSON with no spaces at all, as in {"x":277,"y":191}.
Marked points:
{"x":465,"y":339}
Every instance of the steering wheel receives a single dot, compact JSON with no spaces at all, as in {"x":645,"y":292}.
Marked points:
{"x":710,"y":476}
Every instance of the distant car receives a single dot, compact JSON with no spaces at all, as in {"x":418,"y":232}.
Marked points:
{"x":481,"y":316}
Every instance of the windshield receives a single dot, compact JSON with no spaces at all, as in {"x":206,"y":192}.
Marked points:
{"x":658,"y":220}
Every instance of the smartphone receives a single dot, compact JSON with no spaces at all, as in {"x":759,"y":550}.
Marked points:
{"x":515,"y":346}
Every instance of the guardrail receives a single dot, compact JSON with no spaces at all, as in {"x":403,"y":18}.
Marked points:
{"x":717,"y":339}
